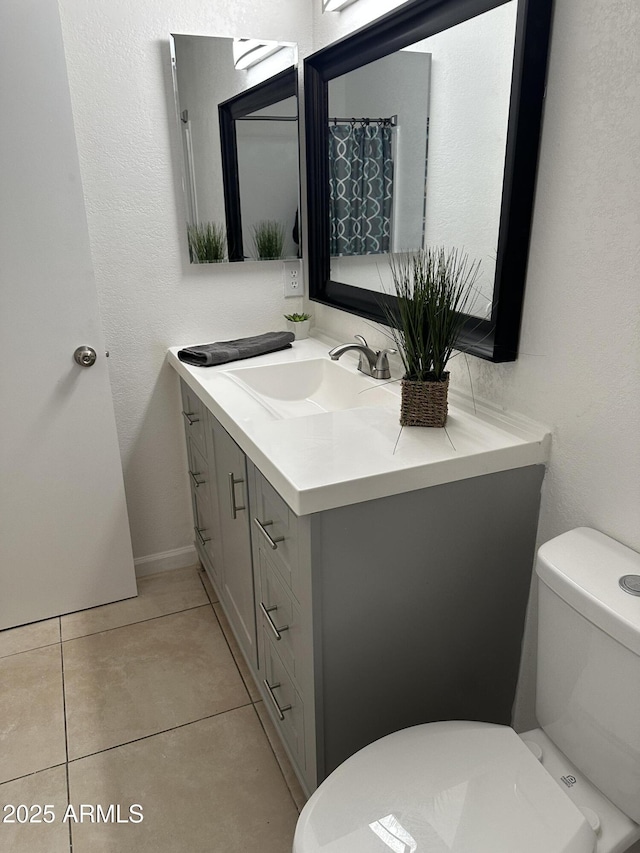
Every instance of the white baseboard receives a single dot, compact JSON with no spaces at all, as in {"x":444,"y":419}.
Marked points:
{"x":179,"y":558}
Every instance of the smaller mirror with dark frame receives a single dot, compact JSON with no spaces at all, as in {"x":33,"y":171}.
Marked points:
{"x":259,"y":144}
{"x":237,"y":107}
{"x":501,"y":47}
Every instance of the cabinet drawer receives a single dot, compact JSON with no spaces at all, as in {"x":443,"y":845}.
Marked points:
{"x":194,"y":416}
{"x":280,"y":618}
{"x":285,"y":702}
{"x":275,"y":527}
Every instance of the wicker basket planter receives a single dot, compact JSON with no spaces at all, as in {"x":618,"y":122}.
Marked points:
{"x":424,"y":403}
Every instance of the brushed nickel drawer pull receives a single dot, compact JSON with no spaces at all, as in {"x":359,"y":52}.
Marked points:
{"x":193,"y":475}
{"x":235,"y":509}
{"x":267,"y":611}
{"x":190,"y":418}
{"x":280,"y":709}
{"x":198,"y":531}
{"x":262,"y":525}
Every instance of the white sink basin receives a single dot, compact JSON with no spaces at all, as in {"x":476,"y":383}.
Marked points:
{"x":297,"y":388}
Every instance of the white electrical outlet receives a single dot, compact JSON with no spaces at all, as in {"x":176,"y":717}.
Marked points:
{"x":293,"y":283}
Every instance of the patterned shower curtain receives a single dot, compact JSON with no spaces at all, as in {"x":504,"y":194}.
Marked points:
{"x":361,"y":188}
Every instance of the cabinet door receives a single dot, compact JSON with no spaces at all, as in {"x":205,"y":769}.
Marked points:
{"x":237,"y":586}
{"x":204,"y":498}
{"x":205,"y":514}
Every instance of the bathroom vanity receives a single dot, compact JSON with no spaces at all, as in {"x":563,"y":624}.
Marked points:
{"x":374,"y":579}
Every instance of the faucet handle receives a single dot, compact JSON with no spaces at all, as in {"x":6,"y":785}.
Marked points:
{"x":363,"y":361}
{"x":382,"y":356}
{"x":381,"y":370}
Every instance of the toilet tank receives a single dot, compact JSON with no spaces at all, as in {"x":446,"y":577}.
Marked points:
{"x":588,"y":684}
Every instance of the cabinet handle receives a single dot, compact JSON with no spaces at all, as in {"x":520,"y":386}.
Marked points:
{"x":267,"y":611}
{"x":280,"y":709}
{"x":262,"y":525}
{"x":235,"y":509}
{"x":190,"y":418}
{"x":198,"y":531}
{"x":193,"y":475}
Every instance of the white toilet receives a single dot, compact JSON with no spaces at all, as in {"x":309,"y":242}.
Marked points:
{"x":571,"y":786}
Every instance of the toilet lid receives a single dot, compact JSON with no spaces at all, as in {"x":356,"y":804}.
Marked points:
{"x":452,"y":787}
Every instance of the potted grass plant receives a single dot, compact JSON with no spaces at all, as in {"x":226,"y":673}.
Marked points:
{"x":298,"y":324}
{"x":207,"y":243}
{"x":435,"y":288}
{"x":268,"y":239}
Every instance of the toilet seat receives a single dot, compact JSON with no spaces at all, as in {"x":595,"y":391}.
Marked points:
{"x":449,"y":787}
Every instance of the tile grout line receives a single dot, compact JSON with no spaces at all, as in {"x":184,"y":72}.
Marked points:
{"x":137,"y":622}
{"x":161,"y":732}
{"x":233,"y":657}
{"x":66,"y":733}
{"x":201,"y":571}
{"x":200,"y":575}
{"x":33,"y":773}
{"x":288,"y":787}
{"x":128,"y":742}
{"x":34,"y":649}
{"x":104,"y":630}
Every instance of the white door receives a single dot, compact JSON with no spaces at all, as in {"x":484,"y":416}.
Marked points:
{"x":64,"y":534}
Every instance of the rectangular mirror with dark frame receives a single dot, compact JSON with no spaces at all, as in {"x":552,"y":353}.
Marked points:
{"x":237,"y":109}
{"x":450,"y":94}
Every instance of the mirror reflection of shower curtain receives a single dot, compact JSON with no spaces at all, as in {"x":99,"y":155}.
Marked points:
{"x":361,"y":188}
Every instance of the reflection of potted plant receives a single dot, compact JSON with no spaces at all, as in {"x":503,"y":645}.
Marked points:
{"x":268,"y":239}
{"x":434,"y":289}
{"x":207,"y":242}
{"x":298,"y":324}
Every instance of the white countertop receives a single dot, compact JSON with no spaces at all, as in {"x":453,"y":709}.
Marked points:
{"x":330,"y":459}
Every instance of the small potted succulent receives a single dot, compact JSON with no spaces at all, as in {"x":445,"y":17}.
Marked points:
{"x":298,"y":324}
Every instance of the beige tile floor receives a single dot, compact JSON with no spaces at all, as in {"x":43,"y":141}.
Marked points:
{"x":148,"y":702}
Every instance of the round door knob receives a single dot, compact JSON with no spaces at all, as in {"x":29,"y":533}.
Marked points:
{"x":85,"y":356}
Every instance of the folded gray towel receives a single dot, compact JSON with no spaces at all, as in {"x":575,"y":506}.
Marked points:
{"x":207,"y":355}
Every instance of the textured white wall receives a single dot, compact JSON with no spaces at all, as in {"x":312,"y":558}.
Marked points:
{"x":150,"y":297}
{"x":579,"y":364}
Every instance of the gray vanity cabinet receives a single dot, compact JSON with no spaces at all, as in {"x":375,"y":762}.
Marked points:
{"x":391,"y":612}
{"x":364,"y":619}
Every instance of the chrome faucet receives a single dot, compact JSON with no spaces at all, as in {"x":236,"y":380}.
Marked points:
{"x":373,"y":363}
